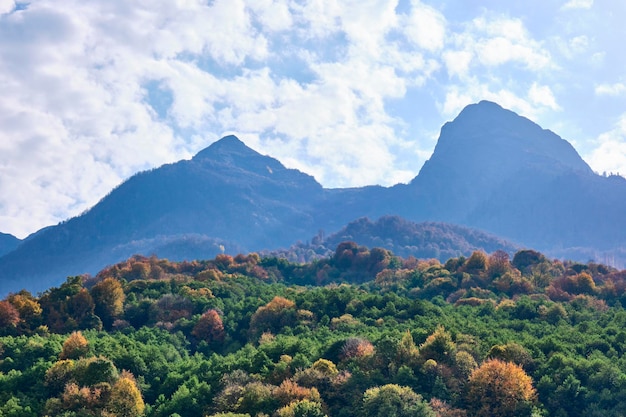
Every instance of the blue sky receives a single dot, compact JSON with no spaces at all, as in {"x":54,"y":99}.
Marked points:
{"x":353,"y":92}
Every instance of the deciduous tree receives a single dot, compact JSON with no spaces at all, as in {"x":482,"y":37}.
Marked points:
{"x":394,"y":401}
{"x":126,"y":400}
{"x":210,"y":327}
{"x":499,"y":388}
{"x":74,"y":347}
{"x":273,"y":316}
{"x":108,"y":297}
{"x":9,"y":316}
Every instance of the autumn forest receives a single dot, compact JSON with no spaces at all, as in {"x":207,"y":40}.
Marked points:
{"x":362,"y":332}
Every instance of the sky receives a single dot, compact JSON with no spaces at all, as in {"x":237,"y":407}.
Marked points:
{"x":353,"y":92}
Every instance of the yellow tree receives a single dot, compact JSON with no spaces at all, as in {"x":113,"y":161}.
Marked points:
{"x":407,"y":352}
{"x":477,"y":263}
{"x":302,"y":408}
{"x":29,"y":309}
{"x":499,"y":388}
{"x":273,"y":316}
{"x":126,"y":400}
{"x":74,"y":347}
{"x":108,"y":296}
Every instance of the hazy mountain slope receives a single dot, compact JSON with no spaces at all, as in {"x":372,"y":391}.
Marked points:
{"x":8,"y":243}
{"x":227,"y":194}
{"x":482,"y":149}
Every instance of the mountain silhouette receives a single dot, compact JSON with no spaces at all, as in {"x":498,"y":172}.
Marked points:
{"x":491,"y":169}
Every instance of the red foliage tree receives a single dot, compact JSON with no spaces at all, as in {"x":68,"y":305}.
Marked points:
{"x":9,"y":316}
{"x":210,"y":328}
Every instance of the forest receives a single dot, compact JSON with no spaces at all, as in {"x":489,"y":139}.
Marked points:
{"x":361,"y":332}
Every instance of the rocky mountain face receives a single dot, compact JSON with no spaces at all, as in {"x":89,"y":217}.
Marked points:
{"x":491,"y":169}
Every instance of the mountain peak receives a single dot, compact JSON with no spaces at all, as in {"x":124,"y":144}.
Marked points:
{"x":487,"y":132}
{"x":226,"y":148}
{"x":486,"y":115}
{"x":487,"y":147}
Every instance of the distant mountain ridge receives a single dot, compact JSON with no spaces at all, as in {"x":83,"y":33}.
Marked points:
{"x":429,"y":240}
{"x":491,"y":169}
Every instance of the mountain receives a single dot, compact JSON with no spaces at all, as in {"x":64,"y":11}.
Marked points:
{"x":481,"y":151}
{"x":423,"y":240}
{"x":402,"y":237}
{"x":226,"y":198}
{"x":491,"y":170}
{"x":500,"y":172}
{"x":8,"y":243}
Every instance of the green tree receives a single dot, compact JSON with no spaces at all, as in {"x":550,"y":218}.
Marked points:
{"x":438,"y":346}
{"x":394,"y":401}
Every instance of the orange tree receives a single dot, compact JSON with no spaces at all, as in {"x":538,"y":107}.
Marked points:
{"x":499,"y":388}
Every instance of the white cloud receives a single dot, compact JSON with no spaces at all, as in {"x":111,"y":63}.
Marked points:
{"x":610,"y":89}
{"x":610,"y":153}
{"x":457,"y":97}
{"x":457,"y":62}
{"x":273,"y":14}
{"x":542,"y":95}
{"x":6,"y":6}
{"x":579,"y":44}
{"x":489,"y":59}
{"x":502,"y":40}
{"x":426,"y":26}
{"x":578,"y":4}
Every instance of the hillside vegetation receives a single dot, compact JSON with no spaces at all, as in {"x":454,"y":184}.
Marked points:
{"x":363,"y":332}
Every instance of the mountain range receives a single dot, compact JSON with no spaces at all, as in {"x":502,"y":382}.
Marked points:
{"x":491,"y":169}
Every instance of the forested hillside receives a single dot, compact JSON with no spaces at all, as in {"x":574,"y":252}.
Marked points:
{"x":440,"y":241}
{"x":363,"y":332}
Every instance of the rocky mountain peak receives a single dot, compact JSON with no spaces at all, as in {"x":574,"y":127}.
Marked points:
{"x":485,"y":135}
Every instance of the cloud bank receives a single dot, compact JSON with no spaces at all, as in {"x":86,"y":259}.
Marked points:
{"x":352,"y":92}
